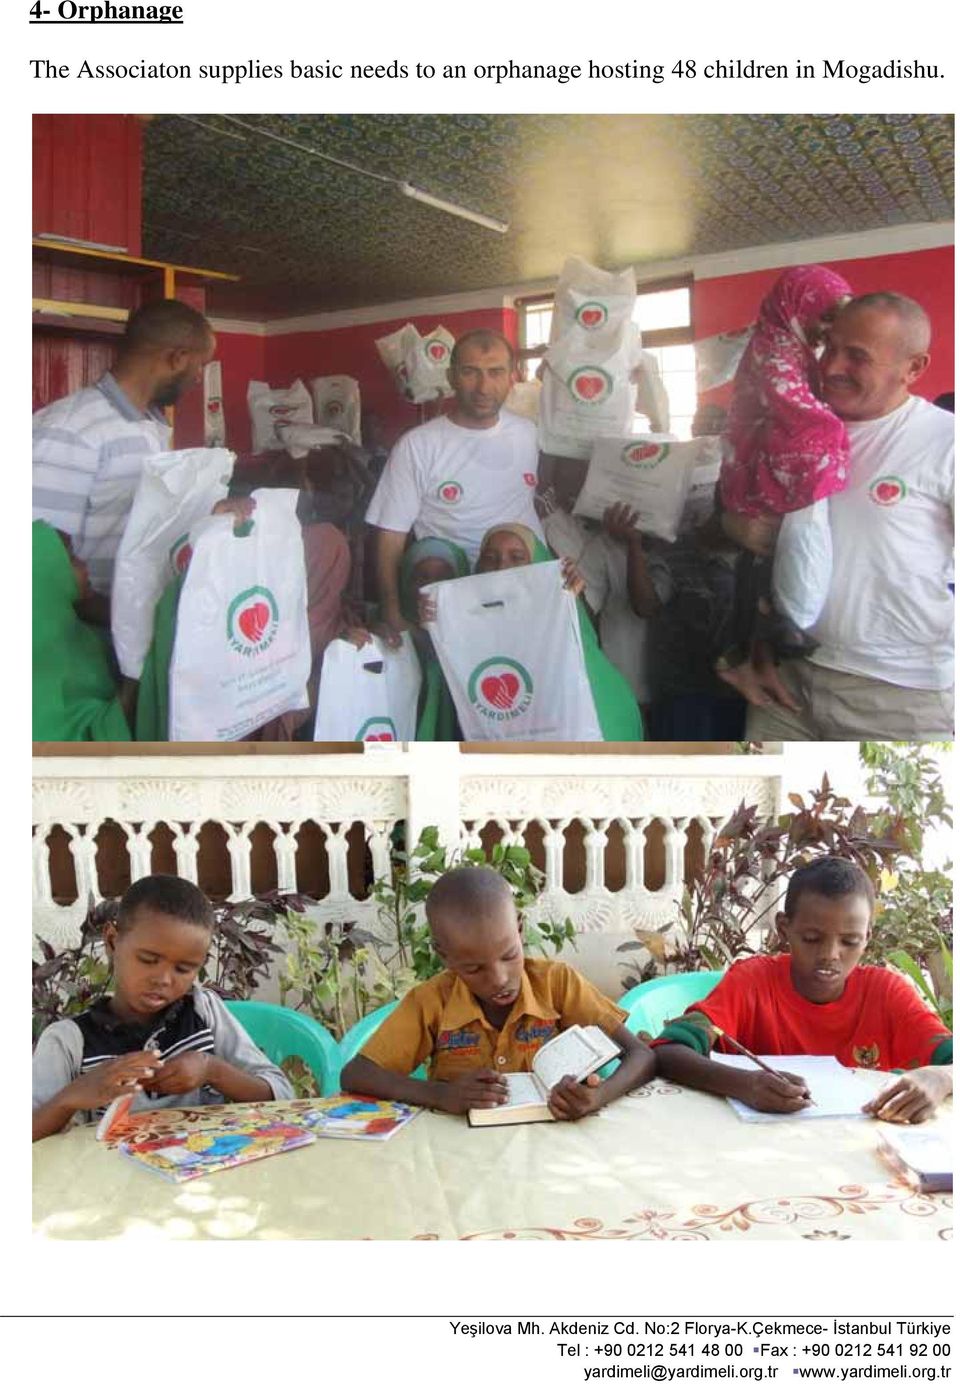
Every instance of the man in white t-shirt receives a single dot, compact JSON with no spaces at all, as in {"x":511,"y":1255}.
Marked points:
{"x":883,"y":665}
{"x":458,"y":475}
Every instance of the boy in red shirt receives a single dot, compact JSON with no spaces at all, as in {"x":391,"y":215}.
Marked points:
{"x":817,"y":999}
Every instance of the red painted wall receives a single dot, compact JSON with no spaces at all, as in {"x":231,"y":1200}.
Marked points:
{"x":351,"y":351}
{"x":722,"y":305}
{"x":241,"y":360}
{"x":86,"y":178}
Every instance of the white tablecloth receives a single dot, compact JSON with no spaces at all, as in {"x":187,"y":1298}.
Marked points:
{"x":661,"y":1164}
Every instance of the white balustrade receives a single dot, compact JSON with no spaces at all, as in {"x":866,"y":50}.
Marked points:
{"x":626,"y":797}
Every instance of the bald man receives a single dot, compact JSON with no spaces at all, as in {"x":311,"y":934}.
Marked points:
{"x":883,"y":666}
{"x":89,"y":448}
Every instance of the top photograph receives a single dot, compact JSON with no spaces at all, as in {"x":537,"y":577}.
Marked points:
{"x":486,"y":428}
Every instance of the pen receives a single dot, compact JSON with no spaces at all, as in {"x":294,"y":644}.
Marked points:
{"x":745,"y":1052}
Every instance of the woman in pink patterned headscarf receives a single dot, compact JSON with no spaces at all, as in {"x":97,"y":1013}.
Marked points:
{"x":785,"y":448}
{"x":785,"y":453}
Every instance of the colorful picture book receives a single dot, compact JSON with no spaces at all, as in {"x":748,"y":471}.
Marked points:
{"x":183,"y":1142}
{"x":346,"y":1116}
{"x":115,"y":1120}
{"x":191,"y":1154}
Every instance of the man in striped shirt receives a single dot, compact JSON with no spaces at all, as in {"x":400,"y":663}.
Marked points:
{"x":89,"y":448}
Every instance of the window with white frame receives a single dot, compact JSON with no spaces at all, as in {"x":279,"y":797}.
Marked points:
{"x":664,"y":315}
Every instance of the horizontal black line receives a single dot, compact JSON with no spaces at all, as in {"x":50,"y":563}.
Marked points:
{"x":92,"y":22}
{"x":485,"y":1316}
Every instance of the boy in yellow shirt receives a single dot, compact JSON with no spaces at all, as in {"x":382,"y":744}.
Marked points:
{"x":488,"y":1013}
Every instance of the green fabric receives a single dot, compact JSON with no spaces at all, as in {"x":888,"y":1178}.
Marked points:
{"x":616,"y":706}
{"x":74,"y":689}
{"x":153,"y":698}
{"x":691,"y":1031}
{"x":943,"y":1053}
{"x":437,"y":716}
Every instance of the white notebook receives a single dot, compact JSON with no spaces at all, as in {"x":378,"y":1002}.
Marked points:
{"x":834,"y":1088}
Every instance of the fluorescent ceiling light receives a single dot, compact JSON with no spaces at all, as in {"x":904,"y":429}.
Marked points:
{"x":489,"y":222}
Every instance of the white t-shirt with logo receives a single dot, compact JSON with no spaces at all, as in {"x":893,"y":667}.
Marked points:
{"x":445,"y":481}
{"x":889,"y":611}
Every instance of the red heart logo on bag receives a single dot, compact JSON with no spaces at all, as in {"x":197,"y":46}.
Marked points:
{"x":501,"y":691}
{"x":643,"y":453}
{"x":384,"y":735}
{"x":588,"y":386}
{"x":529,"y":479}
{"x":437,"y":350}
{"x":591,"y":316}
{"x":887,"y":492}
{"x":253,"y":621}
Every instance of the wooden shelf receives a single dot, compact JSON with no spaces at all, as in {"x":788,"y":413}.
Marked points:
{"x":59,"y":252}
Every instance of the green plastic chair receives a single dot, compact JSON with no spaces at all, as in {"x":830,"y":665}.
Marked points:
{"x":650,"y":1005}
{"x":354,"y":1039}
{"x":281,"y":1033}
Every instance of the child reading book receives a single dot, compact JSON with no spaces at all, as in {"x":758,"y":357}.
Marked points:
{"x":159,"y":1034}
{"x":816,"y":999}
{"x":785,"y":453}
{"x":488,"y":1014}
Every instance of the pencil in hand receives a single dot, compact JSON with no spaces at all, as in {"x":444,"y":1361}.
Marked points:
{"x":745,"y":1052}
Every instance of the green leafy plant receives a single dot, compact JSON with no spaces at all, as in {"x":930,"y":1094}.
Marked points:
{"x":68,"y":980}
{"x":727,"y":911}
{"x":913,"y":929}
{"x":939,"y":997}
{"x":338,"y":972}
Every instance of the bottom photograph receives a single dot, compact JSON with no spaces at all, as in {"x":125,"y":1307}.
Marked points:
{"x":435,"y":993}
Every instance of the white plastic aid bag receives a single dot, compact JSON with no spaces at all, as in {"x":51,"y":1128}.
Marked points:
{"x":300,"y":439}
{"x":368,"y":694}
{"x":717,"y":358}
{"x":241,"y":653}
{"x":270,"y":407}
{"x":803,"y":564}
{"x":592,"y":299}
{"x":214,"y":422}
{"x":392,"y":350}
{"x":652,"y":398}
{"x":701,"y":496}
{"x":174,"y":491}
{"x":336,"y":404}
{"x":651,"y":476}
{"x":427,"y":360}
{"x":510,"y":650}
{"x":587,"y":390}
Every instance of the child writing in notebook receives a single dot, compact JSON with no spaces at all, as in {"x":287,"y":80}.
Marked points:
{"x":488,"y":1013}
{"x":785,"y":453}
{"x":816,"y":998}
{"x":159,"y":1034}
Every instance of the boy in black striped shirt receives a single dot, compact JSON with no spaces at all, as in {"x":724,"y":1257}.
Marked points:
{"x":160,"y":1033}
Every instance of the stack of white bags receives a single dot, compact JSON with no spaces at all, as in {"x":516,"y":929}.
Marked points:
{"x":594,"y":349}
{"x":418,"y":363}
{"x":332,"y":403}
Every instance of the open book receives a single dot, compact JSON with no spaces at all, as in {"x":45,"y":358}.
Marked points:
{"x":833,"y":1087}
{"x":575,"y":1052}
